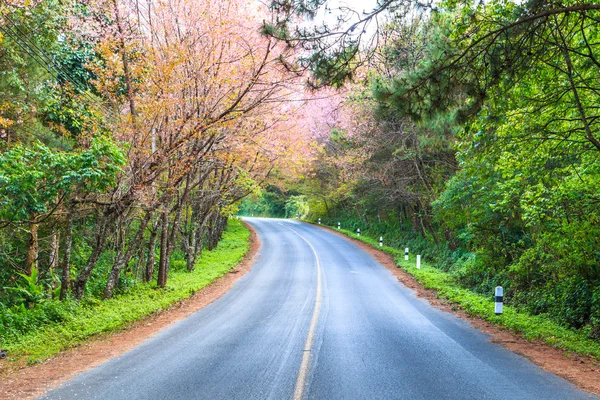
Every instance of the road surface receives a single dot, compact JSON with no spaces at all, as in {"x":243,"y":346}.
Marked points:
{"x":317,"y":318}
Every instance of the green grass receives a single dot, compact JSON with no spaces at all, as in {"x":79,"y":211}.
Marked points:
{"x":531,"y":327}
{"x":88,"y":318}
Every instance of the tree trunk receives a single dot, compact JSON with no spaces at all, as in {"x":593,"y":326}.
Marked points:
{"x":217,"y":231}
{"x":431,"y":230}
{"x":173,"y":230}
{"x":66,"y":262}
{"x":213,"y":235}
{"x":163,"y":265}
{"x":190,"y":250}
{"x":417,"y":224}
{"x":86,"y":272}
{"x":123,"y":257}
{"x":125,"y":60}
{"x":451,"y":240}
{"x":151,"y":255}
{"x":326,"y":207}
{"x":54,"y":250}
{"x":199,"y":240}
{"x":32,"y":248}
{"x":399,"y":217}
{"x":115,"y":272}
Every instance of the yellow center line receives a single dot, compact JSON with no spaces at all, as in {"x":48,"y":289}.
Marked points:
{"x":310,"y":338}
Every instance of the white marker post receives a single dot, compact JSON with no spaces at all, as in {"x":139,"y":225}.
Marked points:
{"x":419,"y":261}
{"x":498,"y":300}
{"x":380,"y":241}
{"x":406,"y":254}
{"x":357,"y":231}
{"x":339,"y":225}
{"x":319,"y":221}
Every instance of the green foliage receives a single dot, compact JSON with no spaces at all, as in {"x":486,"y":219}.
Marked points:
{"x":296,"y":206}
{"x":33,"y":179}
{"x":271,"y":202}
{"x":27,"y":290}
{"x":50,"y":327}
{"x":178,"y":261}
{"x":532,"y":327}
{"x":332,"y":68}
{"x":26,"y":86}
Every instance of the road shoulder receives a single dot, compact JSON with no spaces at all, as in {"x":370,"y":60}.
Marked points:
{"x":31,"y":382}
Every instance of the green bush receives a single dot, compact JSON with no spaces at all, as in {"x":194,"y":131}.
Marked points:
{"x":595,"y":313}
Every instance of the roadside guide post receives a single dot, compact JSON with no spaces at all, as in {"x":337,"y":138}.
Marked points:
{"x":406,"y":254}
{"x":319,"y":221}
{"x":380,"y":241}
{"x":357,"y":231}
{"x":339,"y":225}
{"x":498,"y":300}
{"x":419,"y":261}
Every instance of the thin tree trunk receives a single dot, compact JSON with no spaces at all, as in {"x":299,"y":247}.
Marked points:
{"x":570,"y":72}
{"x":115,"y":272}
{"x":31,"y":260}
{"x":86,"y":272}
{"x":151,"y":255}
{"x":66,"y":262}
{"x":54,"y":250}
{"x":199,"y":241}
{"x":416,"y":222}
{"x":451,"y":240}
{"x":123,"y":257}
{"x":399,"y":215}
{"x":431,"y":230}
{"x":125,"y":60}
{"x":213,"y":239}
{"x":326,"y":206}
{"x":163,"y":265}
{"x":190,"y":250}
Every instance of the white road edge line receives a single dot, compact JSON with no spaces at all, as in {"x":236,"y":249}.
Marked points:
{"x":310,"y":338}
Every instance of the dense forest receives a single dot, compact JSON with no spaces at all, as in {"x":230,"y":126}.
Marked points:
{"x":471,"y":134}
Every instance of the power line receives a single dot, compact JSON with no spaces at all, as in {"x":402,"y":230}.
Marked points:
{"x":49,"y":60}
{"x":29,"y":130}
{"x":31,"y":48}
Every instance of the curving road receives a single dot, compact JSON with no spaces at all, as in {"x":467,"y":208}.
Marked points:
{"x":317,"y":318}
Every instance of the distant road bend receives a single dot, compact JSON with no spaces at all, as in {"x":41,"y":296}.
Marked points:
{"x":317,"y":318}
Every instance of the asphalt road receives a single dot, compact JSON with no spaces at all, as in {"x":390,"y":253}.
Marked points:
{"x":317,"y":318}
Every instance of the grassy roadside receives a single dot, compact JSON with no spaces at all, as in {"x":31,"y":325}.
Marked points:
{"x":88,"y":318}
{"x":531,"y":327}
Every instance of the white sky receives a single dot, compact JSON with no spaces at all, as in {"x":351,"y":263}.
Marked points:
{"x":334,"y":5}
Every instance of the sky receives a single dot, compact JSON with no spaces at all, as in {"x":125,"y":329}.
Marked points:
{"x":334,"y":5}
